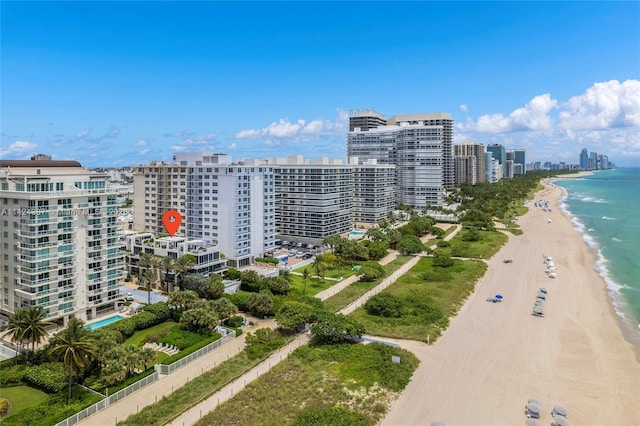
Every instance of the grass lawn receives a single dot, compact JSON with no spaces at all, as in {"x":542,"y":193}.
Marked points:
{"x":141,"y":337}
{"x":430,"y":296}
{"x":22,"y":397}
{"x":358,"y":288}
{"x":314,"y":285}
{"x":489,"y":244}
{"x":360,"y":377}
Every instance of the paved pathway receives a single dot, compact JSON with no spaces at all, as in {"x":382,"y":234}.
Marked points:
{"x":167,"y":384}
{"x":155,"y":391}
{"x":195,"y":413}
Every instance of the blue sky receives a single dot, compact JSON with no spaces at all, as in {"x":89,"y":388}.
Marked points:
{"x":122,"y":83}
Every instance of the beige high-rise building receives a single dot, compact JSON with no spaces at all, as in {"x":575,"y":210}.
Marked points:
{"x":61,"y":248}
{"x":476,"y":150}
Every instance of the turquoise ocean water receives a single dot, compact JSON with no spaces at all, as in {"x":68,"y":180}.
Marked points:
{"x":605,"y":208}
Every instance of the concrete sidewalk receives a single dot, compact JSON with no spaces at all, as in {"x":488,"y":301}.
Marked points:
{"x":167,"y":384}
{"x":196,"y":412}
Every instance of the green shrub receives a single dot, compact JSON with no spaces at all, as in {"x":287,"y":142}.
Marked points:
{"x":384,"y":305}
{"x":471,"y":235}
{"x":262,"y":342}
{"x":12,"y":375}
{"x":126,"y":327}
{"x":160,"y":309}
{"x":50,"y":377}
{"x":53,"y":410}
{"x":443,"y":243}
{"x":20,"y":359}
{"x":442,"y":260}
{"x":331,"y":416}
{"x":4,"y":407}
{"x":235,"y":321}
{"x":240,"y":299}
{"x":181,"y":339}
{"x":145,"y":320}
{"x":192,"y":349}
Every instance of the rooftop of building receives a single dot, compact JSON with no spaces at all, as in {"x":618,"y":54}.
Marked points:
{"x":38,"y":163}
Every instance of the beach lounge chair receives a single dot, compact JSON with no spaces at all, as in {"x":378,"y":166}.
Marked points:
{"x":533,"y":422}
{"x":542,"y":290}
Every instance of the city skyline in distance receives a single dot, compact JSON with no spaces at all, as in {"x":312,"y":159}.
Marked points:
{"x":94,"y":82}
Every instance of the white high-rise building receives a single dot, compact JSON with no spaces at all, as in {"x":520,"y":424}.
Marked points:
{"x":420,"y":146}
{"x":372,"y":192}
{"x":313,"y":199}
{"x":61,"y":248}
{"x":231,"y":205}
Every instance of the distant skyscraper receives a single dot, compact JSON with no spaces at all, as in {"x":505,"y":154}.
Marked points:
{"x":366,"y":119}
{"x":593,"y":161}
{"x":476,"y":150}
{"x":584,"y":159}
{"x":499,"y":153}
{"x":519,"y":158}
{"x":420,"y":146}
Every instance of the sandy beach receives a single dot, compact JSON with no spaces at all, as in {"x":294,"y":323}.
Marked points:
{"x":495,"y":356}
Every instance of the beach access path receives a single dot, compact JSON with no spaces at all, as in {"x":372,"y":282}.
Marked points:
{"x":167,"y":384}
{"x":495,"y":356}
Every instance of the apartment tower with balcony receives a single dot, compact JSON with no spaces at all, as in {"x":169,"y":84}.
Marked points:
{"x":60,"y":244}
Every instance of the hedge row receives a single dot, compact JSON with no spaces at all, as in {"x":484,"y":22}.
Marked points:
{"x":152,"y":315}
{"x":192,"y":349}
{"x":50,"y":377}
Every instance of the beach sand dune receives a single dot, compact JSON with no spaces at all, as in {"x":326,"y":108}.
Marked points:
{"x":495,"y":356}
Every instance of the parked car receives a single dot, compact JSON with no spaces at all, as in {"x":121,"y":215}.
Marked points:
{"x":307,"y":256}
{"x":129,"y":296}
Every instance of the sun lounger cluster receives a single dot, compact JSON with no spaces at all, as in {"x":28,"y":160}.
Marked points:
{"x":533,"y":411}
{"x":538,"y":306}
{"x":551,"y":267}
{"x":162,"y":347}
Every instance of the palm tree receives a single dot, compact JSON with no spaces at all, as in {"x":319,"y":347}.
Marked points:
{"x":146,"y":261}
{"x":76,"y":347}
{"x":167,"y":263}
{"x":261,"y":303}
{"x":131,"y":359}
{"x":149,"y":277}
{"x":147,"y":357}
{"x":318,"y":264}
{"x":35,"y":325}
{"x":224,"y":308}
{"x":305,"y":277}
{"x":183,"y":265}
{"x":16,"y":327}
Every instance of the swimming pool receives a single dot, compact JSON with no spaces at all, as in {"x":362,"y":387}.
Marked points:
{"x":356,"y":234}
{"x":103,"y":322}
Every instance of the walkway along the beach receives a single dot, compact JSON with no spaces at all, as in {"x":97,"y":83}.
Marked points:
{"x":167,"y":384}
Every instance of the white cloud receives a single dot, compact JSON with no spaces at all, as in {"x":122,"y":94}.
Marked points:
{"x":144,"y":151}
{"x":533,"y":116}
{"x":233,"y":146}
{"x":464,"y":108}
{"x":299,"y":129}
{"x":604,"y":105}
{"x":18,"y":147}
{"x":141,"y":142}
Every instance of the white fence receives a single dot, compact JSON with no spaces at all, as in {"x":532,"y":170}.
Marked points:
{"x":101,"y":405}
{"x":227,"y":333}
{"x":168,"y":369}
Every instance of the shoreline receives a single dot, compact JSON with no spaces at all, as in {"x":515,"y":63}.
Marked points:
{"x":493,"y":357}
{"x":628,"y":322}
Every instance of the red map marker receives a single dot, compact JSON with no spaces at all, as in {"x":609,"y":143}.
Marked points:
{"x":171,"y":220}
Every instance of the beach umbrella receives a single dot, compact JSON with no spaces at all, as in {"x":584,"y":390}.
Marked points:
{"x":537,"y":309}
{"x":498,"y":296}
{"x":533,"y":422}
{"x":561,"y":410}
{"x":559,"y":421}
{"x":543,"y":290}
{"x":437,"y":424}
{"x":533,"y":410}
{"x":534,"y":401}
